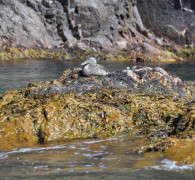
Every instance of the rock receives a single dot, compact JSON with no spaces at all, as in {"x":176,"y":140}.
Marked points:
{"x":159,"y":41}
{"x":83,"y":24}
{"x":169,"y":18}
{"x":56,"y":82}
{"x":146,"y":79}
{"x":74,"y":107}
{"x":122,"y":44}
{"x":74,"y":76}
{"x":131,"y":74}
{"x":103,"y":24}
{"x":162,"y":71}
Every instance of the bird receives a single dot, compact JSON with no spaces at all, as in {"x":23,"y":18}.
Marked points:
{"x":91,"y":68}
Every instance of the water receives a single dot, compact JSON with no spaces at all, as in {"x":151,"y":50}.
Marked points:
{"x":17,"y":74}
{"x":89,"y":158}
{"x":186,"y":71}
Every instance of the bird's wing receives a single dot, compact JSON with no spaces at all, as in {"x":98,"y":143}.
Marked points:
{"x":101,"y":67}
{"x":101,"y":70}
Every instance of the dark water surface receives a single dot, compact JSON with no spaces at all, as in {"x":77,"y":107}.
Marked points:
{"x":83,"y":159}
{"x":17,"y":74}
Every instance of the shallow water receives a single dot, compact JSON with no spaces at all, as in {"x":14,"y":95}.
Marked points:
{"x":17,"y":74}
{"x":89,"y":158}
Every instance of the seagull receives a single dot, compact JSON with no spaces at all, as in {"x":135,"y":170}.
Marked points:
{"x":91,"y":68}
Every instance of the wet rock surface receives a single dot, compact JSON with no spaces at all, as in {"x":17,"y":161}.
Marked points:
{"x":135,"y":101}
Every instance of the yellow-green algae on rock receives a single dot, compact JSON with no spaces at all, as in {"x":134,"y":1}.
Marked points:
{"x":187,"y":53}
{"x":14,"y":53}
{"x":155,"y":105}
{"x":20,"y":53}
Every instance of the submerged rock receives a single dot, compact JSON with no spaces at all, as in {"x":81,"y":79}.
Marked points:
{"x":155,"y":104}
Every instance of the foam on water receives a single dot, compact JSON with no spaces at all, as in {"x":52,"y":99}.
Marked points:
{"x":172,"y":165}
{"x":4,"y":155}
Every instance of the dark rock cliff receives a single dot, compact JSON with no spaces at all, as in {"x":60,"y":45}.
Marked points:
{"x":174,"y":19}
{"x":105,"y":24}
{"x":59,"y":23}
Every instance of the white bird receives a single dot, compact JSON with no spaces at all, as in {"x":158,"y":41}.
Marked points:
{"x":91,"y":68}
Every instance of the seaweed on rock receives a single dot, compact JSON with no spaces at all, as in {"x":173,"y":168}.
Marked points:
{"x":136,"y":101}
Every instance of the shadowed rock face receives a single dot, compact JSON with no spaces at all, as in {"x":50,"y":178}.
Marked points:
{"x":170,"y":18}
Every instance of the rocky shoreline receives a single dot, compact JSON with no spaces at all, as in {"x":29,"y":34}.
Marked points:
{"x":54,"y":24}
{"x":177,"y":55}
{"x":56,"y":29}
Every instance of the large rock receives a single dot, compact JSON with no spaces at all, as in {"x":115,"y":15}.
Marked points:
{"x":101,"y":23}
{"x":58,"y":23}
{"x":170,"y":18}
{"x":30,"y":23}
{"x":136,"y":101}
